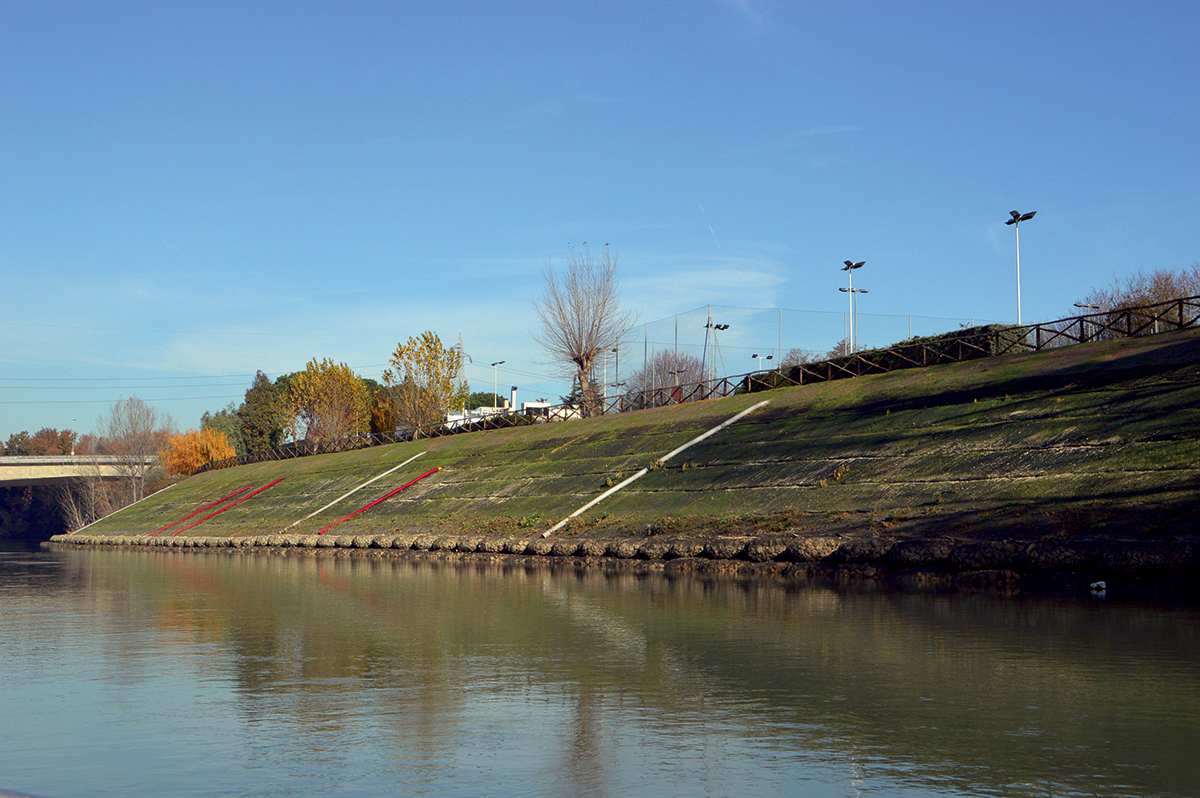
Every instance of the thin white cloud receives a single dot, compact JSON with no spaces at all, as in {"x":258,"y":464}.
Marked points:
{"x":553,"y":108}
{"x":746,"y":9}
{"x":796,"y":138}
{"x":676,"y":285}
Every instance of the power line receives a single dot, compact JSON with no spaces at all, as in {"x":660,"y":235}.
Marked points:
{"x":240,"y":333}
{"x":111,"y":387}
{"x":120,"y":379}
{"x":117,"y":380}
{"x":11,"y":385}
{"x":114,"y":401}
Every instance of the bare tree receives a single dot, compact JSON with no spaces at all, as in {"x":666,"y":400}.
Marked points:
{"x":1137,"y":290}
{"x":581,"y":316}
{"x":83,"y":499}
{"x":134,"y":432}
{"x":840,"y":349}
{"x":89,"y":497}
{"x":666,"y":369}
{"x":799,"y":357}
{"x":1146,"y":289}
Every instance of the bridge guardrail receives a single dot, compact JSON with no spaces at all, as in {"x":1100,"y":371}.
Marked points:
{"x":69,"y":459}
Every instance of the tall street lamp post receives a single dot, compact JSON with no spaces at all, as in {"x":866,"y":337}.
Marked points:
{"x":616,"y":369}
{"x":495,"y":384}
{"x":849,"y":270}
{"x":1015,"y":221}
{"x":761,"y":358}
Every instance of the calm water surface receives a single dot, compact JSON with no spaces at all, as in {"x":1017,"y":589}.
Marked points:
{"x":174,"y":673}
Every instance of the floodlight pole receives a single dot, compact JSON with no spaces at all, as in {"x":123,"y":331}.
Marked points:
{"x":853,"y":312}
{"x":849,"y":270}
{"x":1015,"y":221}
{"x":495,"y":382}
{"x":715,"y":328}
{"x":1017,"y":227}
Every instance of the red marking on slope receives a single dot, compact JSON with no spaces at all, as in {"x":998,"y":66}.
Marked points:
{"x":202,"y":509}
{"x":223,"y":509}
{"x":382,"y":498}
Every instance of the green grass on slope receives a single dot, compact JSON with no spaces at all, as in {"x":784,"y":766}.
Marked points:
{"x":1112,"y":427}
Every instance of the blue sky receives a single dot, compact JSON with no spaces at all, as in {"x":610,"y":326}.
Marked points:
{"x":195,"y":191}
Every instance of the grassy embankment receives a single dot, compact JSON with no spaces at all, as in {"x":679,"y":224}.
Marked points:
{"x":1100,"y":439}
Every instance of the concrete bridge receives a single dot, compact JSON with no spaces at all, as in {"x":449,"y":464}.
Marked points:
{"x":61,"y":468}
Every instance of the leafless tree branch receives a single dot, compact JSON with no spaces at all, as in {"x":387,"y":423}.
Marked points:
{"x":581,"y":316}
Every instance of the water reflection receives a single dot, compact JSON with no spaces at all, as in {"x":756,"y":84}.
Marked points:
{"x":363,"y":674}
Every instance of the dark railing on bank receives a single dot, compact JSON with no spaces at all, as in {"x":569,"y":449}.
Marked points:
{"x":969,"y":344}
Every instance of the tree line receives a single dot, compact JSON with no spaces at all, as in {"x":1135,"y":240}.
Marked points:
{"x":328,"y":401}
{"x":130,"y":435}
{"x":325,"y":401}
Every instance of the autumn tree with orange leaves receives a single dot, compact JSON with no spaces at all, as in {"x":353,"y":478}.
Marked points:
{"x":184,"y":453}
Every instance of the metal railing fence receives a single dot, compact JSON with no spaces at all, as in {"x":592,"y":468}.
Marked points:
{"x":725,"y":338}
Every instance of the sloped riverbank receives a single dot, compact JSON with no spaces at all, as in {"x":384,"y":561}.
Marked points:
{"x":1081,"y":461}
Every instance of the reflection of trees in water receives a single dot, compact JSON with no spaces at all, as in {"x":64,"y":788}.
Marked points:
{"x":586,"y":764}
{"x":958,"y":688}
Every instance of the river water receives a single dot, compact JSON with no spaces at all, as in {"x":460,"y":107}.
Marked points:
{"x":211,"y":674}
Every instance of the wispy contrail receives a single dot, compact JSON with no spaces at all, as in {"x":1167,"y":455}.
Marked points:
{"x":709,"y":226}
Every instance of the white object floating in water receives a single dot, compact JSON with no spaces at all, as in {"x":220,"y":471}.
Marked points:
{"x":1099,"y":589}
